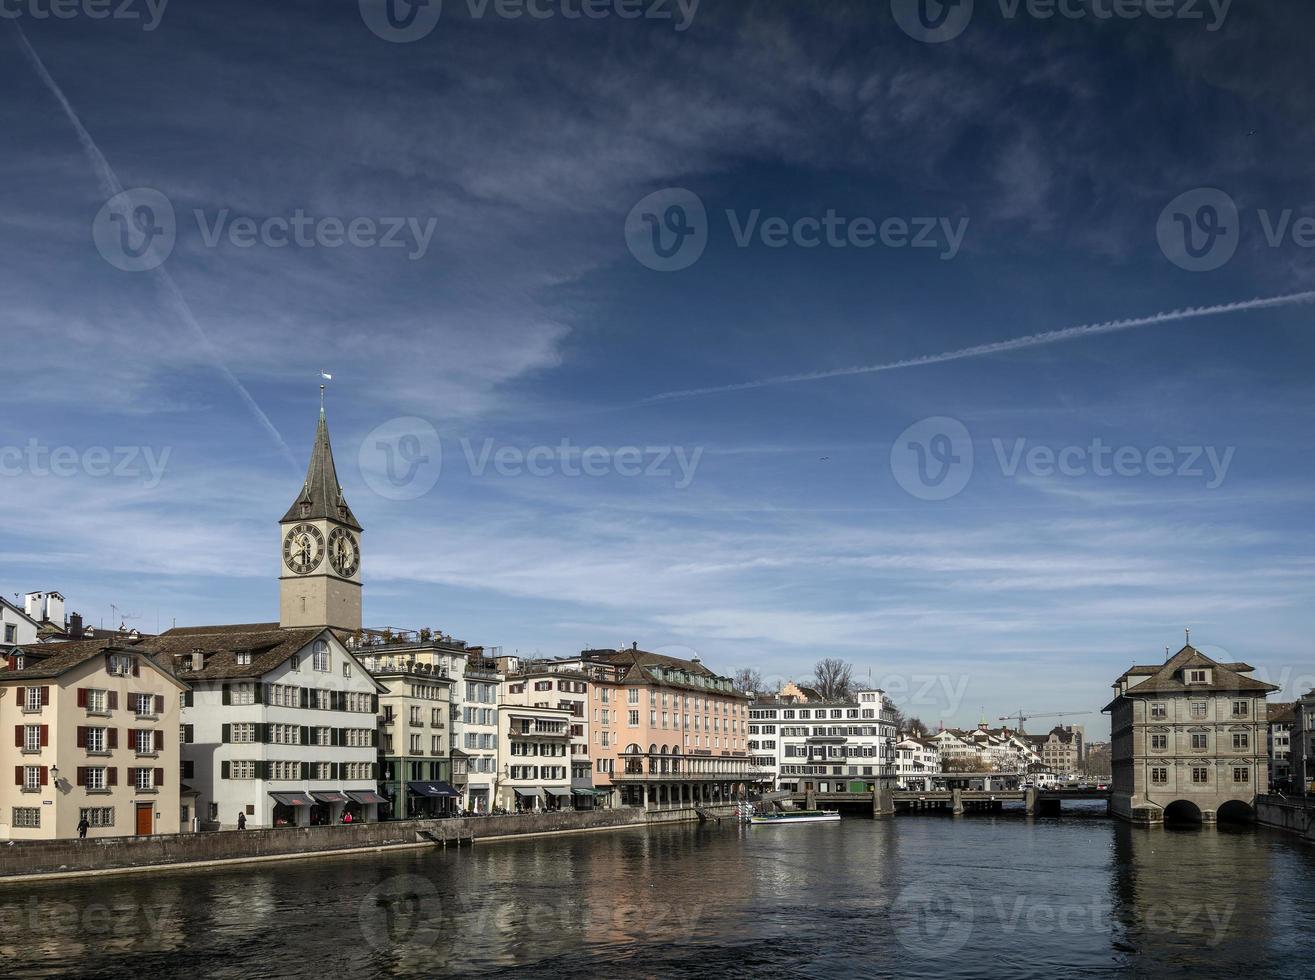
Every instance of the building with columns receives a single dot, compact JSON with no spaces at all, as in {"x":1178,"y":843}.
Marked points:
{"x":676,"y":733}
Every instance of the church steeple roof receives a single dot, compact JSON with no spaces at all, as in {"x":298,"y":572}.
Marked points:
{"x":321,"y":496}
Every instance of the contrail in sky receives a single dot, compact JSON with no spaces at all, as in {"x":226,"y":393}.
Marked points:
{"x":1000,"y":346}
{"x":110,"y":186}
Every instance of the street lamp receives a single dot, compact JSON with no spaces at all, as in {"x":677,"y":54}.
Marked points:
{"x":54,"y":775}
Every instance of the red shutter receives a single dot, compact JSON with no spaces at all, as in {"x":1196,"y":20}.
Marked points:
{"x":45,"y":776}
{"x":18,"y":736}
{"x":159,"y":741}
{"x":82,"y":697}
{"x":159,"y":777}
{"x":159,"y":704}
{"x":21,"y":693}
{"x":112,"y":776}
{"x":113,"y":700}
{"x":45,"y":695}
{"x":82,"y":737}
{"x":18,"y":775}
{"x":82,"y":775}
{"x":136,"y":668}
{"x":45,"y":735}
{"x":112,"y":737}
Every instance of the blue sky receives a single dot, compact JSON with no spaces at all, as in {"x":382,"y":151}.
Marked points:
{"x":522,"y":311}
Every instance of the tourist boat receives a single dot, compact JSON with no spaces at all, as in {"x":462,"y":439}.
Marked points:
{"x":796,"y":816}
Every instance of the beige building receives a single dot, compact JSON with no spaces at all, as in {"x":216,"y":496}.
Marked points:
{"x":415,"y":768}
{"x":95,"y":735}
{"x":1188,"y":740}
{"x":534,"y":747}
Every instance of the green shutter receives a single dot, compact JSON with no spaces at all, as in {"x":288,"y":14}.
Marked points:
{"x":223,"y":767}
{"x":305,"y":735}
{"x":226,"y":731}
{"x":258,"y":693}
{"x":227,"y":695}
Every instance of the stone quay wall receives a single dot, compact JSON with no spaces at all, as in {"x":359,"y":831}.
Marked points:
{"x":97,"y":855}
{"x":1295,"y":814}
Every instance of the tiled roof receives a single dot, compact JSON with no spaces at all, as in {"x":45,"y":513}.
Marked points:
{"x":268,"y":646}
{"x":1279,"y":713}
{"x":1226,"y":678}
{"x":638,"y":667}
{"x":53,"y":659}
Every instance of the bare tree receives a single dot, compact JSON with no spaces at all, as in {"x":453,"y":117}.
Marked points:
{"x":914,"y":726}
{"x":748,"y":681}
{"x":832,"y":678}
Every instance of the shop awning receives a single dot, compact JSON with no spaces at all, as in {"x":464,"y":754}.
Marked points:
{"x":529,"y":794}
{"x":561,"y":794}
{"x":293,"y":799}
{"x":433,"y":790}
{"x":328,"y":796}
{"x":364,"y":796}
{"x":590,"y":792}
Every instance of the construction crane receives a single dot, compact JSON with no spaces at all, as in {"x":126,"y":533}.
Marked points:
{"x":1020,"y":717}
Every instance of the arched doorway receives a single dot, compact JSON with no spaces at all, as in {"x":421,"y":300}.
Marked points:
{"x":1235,"y":811}
{"x":1182,"y":812}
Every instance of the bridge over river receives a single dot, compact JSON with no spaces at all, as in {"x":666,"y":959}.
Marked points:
{"x":1036,"y":801}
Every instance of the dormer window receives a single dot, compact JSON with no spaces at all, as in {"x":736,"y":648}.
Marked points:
{"x":244,"y":658}
{"x":120,"y":665}
{"x":1197,"y":677}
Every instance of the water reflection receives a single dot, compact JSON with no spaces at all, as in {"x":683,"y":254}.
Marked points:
{"x":914,"y":896}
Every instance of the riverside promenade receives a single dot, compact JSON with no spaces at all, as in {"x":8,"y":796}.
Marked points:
{"x":36,"y":860}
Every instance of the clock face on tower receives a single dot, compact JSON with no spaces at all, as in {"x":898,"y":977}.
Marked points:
{"x":344,"y":552}
{"x":303,"y":548}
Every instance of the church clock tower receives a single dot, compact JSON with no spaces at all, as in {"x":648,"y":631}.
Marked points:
{"x":320,"y":549}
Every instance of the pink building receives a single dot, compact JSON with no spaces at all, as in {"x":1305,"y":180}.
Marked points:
{"x":665,"y":731}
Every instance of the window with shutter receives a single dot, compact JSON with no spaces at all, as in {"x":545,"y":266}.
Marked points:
{"x":159,"y":777}
{"x":18,"y":775}
{"x":159,"y":741}
{"x":82,"y":697}
{"x":18,"y":736}
{"x":45,"y":696}
{"x":159,"y":704}
{"x":112,"y":776}
{"x":114,"y":700}
{"x":82,"y":737}
{"x":45,"y":736}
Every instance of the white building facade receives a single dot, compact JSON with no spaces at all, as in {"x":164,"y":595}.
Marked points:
{"x":826,"y":746}
{"x":279,"y":728}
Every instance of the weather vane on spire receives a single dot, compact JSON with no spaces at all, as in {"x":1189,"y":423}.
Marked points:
{"x":325,"y":376}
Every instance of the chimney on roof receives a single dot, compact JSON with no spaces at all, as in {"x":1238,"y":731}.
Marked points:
{"x":74,"y":626}
{"x":198,"y":660}
{"x":634,"y":645}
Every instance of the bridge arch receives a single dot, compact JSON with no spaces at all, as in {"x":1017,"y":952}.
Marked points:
{"x":1235,"y":811}
{"x":1182,"y":811}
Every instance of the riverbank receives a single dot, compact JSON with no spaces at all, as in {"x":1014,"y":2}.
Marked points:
{"x":23,"y":861}
{"x":1296,"y":815}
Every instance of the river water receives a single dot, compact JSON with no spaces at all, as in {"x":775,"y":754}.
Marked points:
{"x":918,"y":895}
